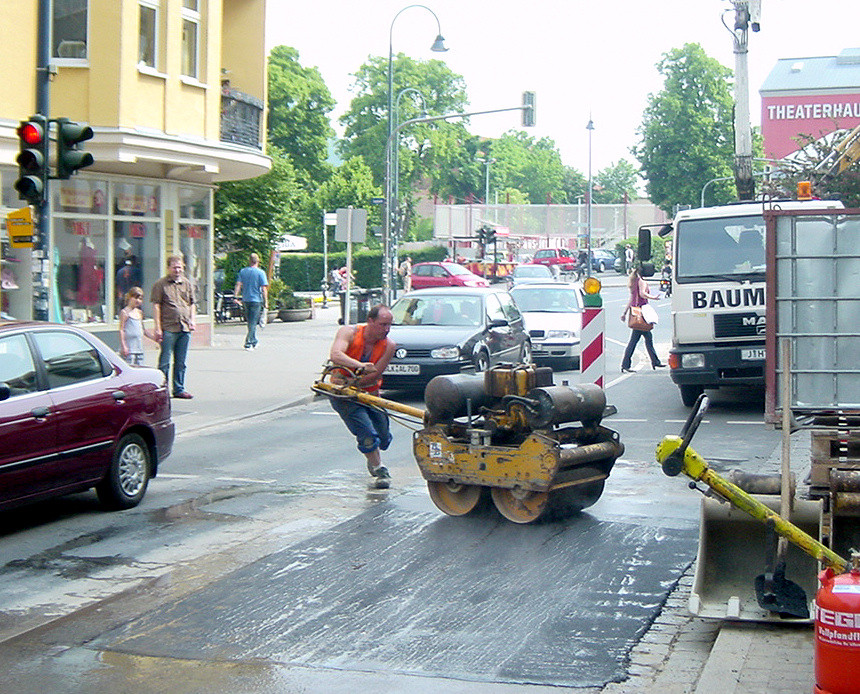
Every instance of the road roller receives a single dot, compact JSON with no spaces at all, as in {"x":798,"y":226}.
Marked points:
{"x":510,"y":435}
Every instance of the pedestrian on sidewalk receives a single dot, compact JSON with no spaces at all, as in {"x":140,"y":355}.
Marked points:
{"x":252,"y":286}
{"x":173,"y":308}
{"x":366,"y":350}
{"x":131,"y":330}
{"x":406,"y":273}
{"x":639,"y":295}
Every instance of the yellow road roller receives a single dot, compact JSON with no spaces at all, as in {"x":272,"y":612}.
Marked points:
{"x":538,"y":450}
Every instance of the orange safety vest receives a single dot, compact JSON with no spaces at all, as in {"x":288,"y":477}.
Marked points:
{"x":356,"y":351}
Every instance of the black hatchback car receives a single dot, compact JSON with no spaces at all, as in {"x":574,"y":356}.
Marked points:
{"x":448,"y":330}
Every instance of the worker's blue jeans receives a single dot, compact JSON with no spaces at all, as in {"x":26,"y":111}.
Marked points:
{"x":369,"y":426}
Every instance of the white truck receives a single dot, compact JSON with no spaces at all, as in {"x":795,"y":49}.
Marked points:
{"x":718,"y":293}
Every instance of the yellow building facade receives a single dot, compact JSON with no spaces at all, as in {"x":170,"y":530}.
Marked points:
{"x":175,"y":92}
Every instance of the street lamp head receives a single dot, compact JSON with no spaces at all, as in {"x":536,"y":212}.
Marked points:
{"x":590,"y":125}
{"x":439,"y":44}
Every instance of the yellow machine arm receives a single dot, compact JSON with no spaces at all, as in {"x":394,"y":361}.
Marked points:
{"x":676,"y":456}
{"x":347,"y":391}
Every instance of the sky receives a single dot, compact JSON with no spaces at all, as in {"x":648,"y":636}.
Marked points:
{"x":583,"y":59}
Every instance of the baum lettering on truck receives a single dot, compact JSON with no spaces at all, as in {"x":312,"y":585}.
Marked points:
{"x":728,"y":298}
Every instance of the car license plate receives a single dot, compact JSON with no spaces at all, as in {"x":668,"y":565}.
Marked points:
{"x":752,"y":354}
{"x":409,"y":369}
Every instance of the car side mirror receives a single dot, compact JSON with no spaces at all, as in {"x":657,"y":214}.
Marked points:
{"x":5,"y":391}
{"x":499,"y":323}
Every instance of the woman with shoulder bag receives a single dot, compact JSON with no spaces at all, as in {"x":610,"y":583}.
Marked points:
{"x":639,"y":327}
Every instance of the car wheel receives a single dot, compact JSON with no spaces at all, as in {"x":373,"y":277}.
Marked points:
{"x":526,"y":353}
{"x":689,"y":394}
{"x":482,"y":362}
{"x":126,"y":481}
{"x":601,"y":267}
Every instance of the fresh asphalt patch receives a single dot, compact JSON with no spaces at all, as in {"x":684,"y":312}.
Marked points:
{"x":476,"y":599}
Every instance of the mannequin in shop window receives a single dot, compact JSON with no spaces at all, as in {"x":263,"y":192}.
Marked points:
{"x":90,"y":274}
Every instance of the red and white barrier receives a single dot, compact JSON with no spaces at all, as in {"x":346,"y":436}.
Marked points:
{"x":591,"y":341}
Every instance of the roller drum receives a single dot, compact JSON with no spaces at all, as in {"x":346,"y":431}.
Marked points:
{"x":446,"y":397}
{"x":560,"y":404}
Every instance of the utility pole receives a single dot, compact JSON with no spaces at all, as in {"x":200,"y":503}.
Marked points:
{"x":747,"y":15}
{"x":41,"y":262}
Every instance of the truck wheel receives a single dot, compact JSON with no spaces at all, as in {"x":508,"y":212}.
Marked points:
{"x":689,"y":394}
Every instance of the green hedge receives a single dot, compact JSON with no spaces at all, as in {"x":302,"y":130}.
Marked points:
{"x":304,"y":271}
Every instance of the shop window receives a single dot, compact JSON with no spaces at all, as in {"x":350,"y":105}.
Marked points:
{"x":195,"y":247}
{"x":148,"y":40}
{"x":80,"y":247}
{"x":137,"y":200}
{"x":81,"y":196}
{"x":136,"y":260}
{"x":69,"y":30}
{"x":194,"y":203}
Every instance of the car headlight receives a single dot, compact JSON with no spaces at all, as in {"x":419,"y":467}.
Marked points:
{"x":445,"y":353}
{"x":696,"y":360}
{"x":559,"y":334}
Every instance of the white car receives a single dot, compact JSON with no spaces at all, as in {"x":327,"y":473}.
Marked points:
{"x":552,"y":314}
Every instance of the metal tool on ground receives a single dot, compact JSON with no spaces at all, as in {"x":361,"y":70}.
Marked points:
{"x":731,"y":550}
{"x":538,"y":450}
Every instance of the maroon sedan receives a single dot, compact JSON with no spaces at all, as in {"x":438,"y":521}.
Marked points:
{"x":74,"y":415}
{"x":426,"y":275}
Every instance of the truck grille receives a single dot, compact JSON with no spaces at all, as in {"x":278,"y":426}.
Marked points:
{"x":748,"y":324}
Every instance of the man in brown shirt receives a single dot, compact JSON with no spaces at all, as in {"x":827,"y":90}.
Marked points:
{"x":173,"y":309}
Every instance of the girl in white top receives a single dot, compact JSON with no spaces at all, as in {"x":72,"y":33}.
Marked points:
{"x":131,"y":330}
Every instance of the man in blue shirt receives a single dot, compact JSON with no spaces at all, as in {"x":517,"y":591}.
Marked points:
{"x":253,"y":287}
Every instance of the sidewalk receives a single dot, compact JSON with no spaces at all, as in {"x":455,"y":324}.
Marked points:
{"x":674,"y":657}
{"x":229,"y":383}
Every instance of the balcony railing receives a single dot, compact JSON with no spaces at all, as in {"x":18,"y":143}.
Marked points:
{"x":241,"y":117}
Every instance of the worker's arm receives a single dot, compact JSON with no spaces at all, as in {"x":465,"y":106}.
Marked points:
{"x":373,"y":372}
{"x":338,"y":350}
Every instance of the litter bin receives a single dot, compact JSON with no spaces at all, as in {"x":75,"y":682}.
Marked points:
{"x":360,"y":302}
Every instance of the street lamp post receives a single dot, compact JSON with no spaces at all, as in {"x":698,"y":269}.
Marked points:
{"x":486,"y":161}
{"x":590,"y":128}
{"x":398,"y":220}
{"x":438,"y":47}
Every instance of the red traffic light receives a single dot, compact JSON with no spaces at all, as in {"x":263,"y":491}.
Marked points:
{"x":31,"y":133}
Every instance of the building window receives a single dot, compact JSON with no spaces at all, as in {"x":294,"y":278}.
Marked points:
{"x":148,"y":46}
{"x":69,"y":30}
{"x":190,"y":39}
{"x":195,"y":204}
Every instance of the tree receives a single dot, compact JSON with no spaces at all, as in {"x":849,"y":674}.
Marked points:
{"x":573,"y":184}
{"x":299,"y":103}
{"x":350,"y":184}
{"x":686,"y":131}
{"x":252,"y":215}
{"x":615,"y":183}
{"x":531,"y":166}
{"x":366,"y":122}
{"x":817,"y":162}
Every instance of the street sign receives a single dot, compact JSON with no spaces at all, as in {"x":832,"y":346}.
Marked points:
{"x":351,"y":225}
{"x":19,"y":227}
{"x":330,"y":219}
{"x":377,"y":201}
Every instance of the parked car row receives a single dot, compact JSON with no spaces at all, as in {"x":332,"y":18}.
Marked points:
{"x":449,"y":330}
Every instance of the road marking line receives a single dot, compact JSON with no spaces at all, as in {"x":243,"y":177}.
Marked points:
{"x":741,"y":421}
{"x":244,"y":479}
{"x":176,"y":476}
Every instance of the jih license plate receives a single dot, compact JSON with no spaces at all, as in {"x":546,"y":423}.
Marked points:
{"x":752,"y":354}
{"x":409,"y":369}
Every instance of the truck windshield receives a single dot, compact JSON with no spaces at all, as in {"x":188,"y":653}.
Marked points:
{"x":729,"y":248}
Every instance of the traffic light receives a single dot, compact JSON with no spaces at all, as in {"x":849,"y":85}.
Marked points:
{"x":70,"y":157}
{"x":528,"y":109}
{"x":32,"y":160}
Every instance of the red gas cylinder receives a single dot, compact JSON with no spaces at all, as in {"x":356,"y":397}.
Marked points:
{"x":837,"y":631}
